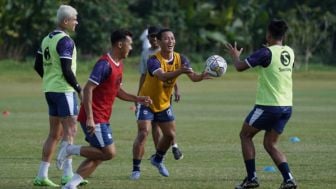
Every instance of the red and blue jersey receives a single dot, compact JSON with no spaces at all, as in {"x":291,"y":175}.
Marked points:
{"x":107,"y":75}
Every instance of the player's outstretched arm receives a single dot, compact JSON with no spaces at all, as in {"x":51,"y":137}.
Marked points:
{"x":235,"y":54}
{"x":165,"y":76}
{"x":123,"y":95}
{"x":198,"y":77}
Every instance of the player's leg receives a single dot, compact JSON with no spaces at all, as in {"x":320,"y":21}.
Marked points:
{"x":144,"y":117}
{"x":144,"y":127}
{"x":177,"y":153}
{"x":249,"y":129}
{"x":101,"y":149}
{"x":86,"y":168}
{"x":166,"y":121}
{"x":279,"y":158}
{"x":168,"y":135}
{"x":69,"y":132}
{"x":67,"y":109}
{"x":270,"y":144}
{"x":49,"y":147}
{"x":246,"y":138}
{"x":156,"y":133}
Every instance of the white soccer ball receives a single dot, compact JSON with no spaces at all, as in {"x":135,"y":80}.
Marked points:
{"x":215,"y":66}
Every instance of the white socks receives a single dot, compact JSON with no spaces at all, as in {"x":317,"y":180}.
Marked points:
{"x":64,"y":143}
{"x":74,"y":149}
{"x":43,"y":170}
{"x":67,"y":168}
{"x":75,"y":181}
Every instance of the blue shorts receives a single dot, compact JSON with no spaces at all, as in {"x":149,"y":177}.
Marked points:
{"x":102,"y":136}
{"x":62,"y":104}
{"x":145,"y":113}
{"x":269,"y":117}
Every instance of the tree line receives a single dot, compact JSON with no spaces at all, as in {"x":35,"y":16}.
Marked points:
{"x":201,"y":27}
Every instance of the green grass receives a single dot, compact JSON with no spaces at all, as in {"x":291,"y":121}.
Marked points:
{"x":209,"y":118}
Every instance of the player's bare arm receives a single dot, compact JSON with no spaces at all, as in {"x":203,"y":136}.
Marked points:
{"x":195,"y":77}
{"x":87,"y":102}
{"x":123,"y":95}
{"x":165,"y":76}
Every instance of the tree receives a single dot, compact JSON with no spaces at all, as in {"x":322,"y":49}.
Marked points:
{"x":22,"y":24}
{"x":310,"y":30}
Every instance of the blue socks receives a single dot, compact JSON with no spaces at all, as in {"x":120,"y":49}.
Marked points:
{"x":250,"y":168}
{"x":284,"y":169}
{"x":136,"y":164}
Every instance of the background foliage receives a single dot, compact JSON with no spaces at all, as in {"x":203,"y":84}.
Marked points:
{"x":202,"y":27}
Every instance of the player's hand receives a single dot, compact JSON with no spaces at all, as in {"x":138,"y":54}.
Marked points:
{"x":90,"y":126}
{"x":145,"y":100}
{"x":233,"y":50}
{"x":186,"y":70}
{"x":177,"y":96}
{"x":205,"y":75}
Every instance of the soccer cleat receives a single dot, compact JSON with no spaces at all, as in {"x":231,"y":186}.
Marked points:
{"x":44,"y":182}
{"x":66,"y":179}
{"x":161,"y":167}
{"x":61,"y":157}
{"x":177,"y":153}
{"x":135,"y":175}
{"x":289,"y":184}
{"x":253,"y":183}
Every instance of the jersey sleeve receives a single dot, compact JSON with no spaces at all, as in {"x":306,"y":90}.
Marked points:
{"x":153,"y":64}
{"x":65,"y":47}
{"x":185,"y":61}
{"x":261,"y":57}
{"x":100,"y":72}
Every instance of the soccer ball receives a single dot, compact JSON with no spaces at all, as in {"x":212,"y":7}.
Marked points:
{"x":215,"y":66}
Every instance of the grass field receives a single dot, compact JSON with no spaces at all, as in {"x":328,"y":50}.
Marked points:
{"x":209,"y":118}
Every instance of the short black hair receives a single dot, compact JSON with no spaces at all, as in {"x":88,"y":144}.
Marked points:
{"x":119,"y":35}
{"x":159,"y":35}
{"x":153,"y":30}
{"x":277,"y":29}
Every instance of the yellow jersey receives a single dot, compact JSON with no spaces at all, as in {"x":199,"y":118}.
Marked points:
{"x":161,"y":91}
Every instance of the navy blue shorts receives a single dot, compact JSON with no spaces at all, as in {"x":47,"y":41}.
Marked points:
{"x":102,"y":136}
{"x":145,"y":113}
{"x":62,"y":104}
{"x":269,"y":117}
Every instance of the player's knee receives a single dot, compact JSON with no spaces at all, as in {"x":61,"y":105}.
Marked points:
{"x":243,"y":135}
{"x":55,"y":136}
{"x":109,"y":155}
{"x":142,"y":135}
{"x":170,"y":136}
{"x":269,"y":147}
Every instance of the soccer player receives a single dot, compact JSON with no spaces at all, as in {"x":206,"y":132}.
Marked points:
{"x":56,"y":63}
{"x":273,"y":106}
{"x":103,"y":86}
{"x":156,"y":132}
{"x":163,"y":69}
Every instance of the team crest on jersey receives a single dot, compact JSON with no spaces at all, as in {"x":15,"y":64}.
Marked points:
{"x":285,"y":58}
